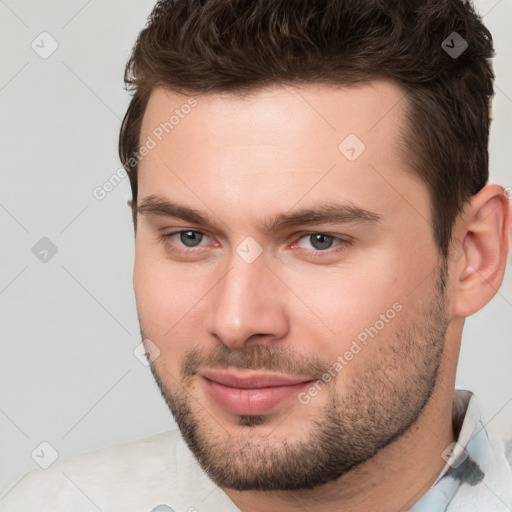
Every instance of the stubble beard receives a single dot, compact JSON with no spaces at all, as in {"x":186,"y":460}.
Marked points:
{"x":379,"y":405}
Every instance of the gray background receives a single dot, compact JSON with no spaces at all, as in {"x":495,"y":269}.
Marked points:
{"x":69,"y":326}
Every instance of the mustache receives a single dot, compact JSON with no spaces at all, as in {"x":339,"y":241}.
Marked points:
{"x":256,"y":357}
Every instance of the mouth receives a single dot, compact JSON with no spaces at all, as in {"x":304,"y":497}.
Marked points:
{"x":250,"y":393}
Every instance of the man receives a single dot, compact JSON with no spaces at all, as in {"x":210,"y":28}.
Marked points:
{"x":313,"y":225}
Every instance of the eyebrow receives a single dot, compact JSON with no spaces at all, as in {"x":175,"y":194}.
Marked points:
{"x":325,"y":213}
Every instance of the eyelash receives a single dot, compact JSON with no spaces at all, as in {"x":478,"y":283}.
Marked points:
{"x":343,"y":243}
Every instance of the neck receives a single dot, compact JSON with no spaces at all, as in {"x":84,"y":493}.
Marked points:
{"x":393,"y":480}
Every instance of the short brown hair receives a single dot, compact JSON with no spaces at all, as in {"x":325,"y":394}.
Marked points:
{"x":239,"y":46}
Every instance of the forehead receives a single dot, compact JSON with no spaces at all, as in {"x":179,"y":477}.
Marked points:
{"x":301,"y":110}
{"x":281,"y":142}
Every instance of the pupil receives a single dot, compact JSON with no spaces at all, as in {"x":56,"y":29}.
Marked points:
{"x":189,"y":237}
{"x":321,"y":241}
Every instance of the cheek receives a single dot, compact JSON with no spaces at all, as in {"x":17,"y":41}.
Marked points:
{"x":359,"y":306}
{"x":158,"y":287}
{"x":149,"y":288}
{"x":347,"y":300}
{"x":155,"y":310}
{"x":155,"y":296}
{"x":168,"y":302}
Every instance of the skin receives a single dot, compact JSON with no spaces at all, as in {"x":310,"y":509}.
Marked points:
{"x":242,"y":161}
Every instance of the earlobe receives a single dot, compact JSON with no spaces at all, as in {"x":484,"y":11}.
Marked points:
{"x":484,"y":232}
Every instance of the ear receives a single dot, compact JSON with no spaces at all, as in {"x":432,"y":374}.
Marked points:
{"x":481,"y":241}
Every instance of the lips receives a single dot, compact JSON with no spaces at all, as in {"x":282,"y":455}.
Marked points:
{"x":249,"y":392}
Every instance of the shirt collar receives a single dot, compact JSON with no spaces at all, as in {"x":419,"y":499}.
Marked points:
{"x":476,"y":475}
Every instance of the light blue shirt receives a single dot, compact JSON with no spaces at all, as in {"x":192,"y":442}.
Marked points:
{"x":478,"y":474}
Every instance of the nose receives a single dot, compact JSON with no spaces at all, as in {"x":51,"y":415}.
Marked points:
{"x":248,"y":305}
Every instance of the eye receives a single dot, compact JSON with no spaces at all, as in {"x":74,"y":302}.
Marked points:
{"x":190,"y":238}
{"x":187,"y":238}
{"x":322,"y":242}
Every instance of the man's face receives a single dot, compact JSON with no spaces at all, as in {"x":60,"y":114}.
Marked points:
{"x":291,"y":347}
